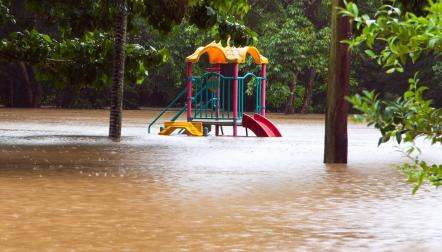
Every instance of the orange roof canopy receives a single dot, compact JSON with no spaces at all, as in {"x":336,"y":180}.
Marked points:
{"x":223,"y":55}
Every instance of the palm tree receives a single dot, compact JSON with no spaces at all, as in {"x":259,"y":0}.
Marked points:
{"x":116,"y":106}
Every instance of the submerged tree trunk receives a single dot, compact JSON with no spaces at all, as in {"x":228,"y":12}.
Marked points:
{"x":38,"y":93}
{"x":29,"y":96}
{"x":290,"y":106}
{"x":11,"y":93}
{"x":308,"y":91}
{"x":37,"y":89}
{"x":67,"y":95}
{"x":335,"y":149}
{"x":116,"y":106}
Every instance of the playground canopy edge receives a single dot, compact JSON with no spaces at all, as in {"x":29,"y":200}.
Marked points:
{"x":224,"y":55}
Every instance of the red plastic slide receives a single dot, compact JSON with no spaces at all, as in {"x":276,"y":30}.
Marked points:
{"x":261,"y":126}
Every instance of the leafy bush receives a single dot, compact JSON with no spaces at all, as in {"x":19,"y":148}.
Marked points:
{"x":402,"y":36}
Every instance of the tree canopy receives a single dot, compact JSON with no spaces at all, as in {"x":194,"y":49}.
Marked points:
{"x":53,"y":40}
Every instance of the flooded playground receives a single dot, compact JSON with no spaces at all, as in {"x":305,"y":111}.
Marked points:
{"x":64,"y":185}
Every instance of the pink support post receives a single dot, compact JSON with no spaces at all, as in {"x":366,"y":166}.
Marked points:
{"x":235,"y":99}
{"x":189,"y":91}
{"x":263,"y":89}
{"x":218,"y":96}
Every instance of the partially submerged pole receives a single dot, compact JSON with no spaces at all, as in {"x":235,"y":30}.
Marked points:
{"x":235,"y":99}
{"x":218,"y":97}
{"x":336,"y":141}
{"x":263,"y":89}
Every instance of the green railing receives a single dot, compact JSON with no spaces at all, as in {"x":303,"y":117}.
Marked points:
{"x":241,"y":86}
{"x":171,"y":105}
{"x":215,"y":102}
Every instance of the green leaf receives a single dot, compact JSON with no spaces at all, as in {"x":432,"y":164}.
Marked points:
{"x":370,"y":53}
{"x":47,"y":38}
{"x":391,"y":70}
{"x":140,"y":80}
{"x":432,"y":43}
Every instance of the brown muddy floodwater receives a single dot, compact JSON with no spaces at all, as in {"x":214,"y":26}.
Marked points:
{"x":65,"y":186}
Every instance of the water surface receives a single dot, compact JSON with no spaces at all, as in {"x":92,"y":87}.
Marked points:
{"x":64,"y":185}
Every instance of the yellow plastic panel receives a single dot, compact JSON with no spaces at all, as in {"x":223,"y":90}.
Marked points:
{"x":223,"y":55}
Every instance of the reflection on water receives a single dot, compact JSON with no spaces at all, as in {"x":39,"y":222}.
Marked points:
{"x":63,"y":184}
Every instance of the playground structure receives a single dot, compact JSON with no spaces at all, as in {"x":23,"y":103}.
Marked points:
{"x":216,"y":98}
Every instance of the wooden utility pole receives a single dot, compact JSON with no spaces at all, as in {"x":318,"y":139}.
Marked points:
{"x":336,"y":141}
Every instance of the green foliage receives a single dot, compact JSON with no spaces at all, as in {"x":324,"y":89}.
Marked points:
{"x":293,"y":44}
{"x":61,"y":61}
{"x":71,"y":19}
{"x":164,"y":15}
{"x":277,"y":95}
{"x":217,"y":15}
{"x":203,"y":16}
{"x":240,"y":34}
{"x":419,"y":171}
{"x":401,"y":37}
{"x":165,"y":80}
{"x":403,"y":119}
{"x":294,"y":35}
{"x":77,"y":37}
{"x":214,"y":15}
{"x":5,"y":15}
{"x":30,"y":46}
{"x":415,"y":6}
{"x":237,"y":8}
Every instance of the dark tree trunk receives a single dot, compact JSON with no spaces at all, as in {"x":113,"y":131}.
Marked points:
{"x":11,"y":93}
{"x":290,"y":106}
{"x":335,"y":149}
{"x":28,"y":95}
{"x":67,"y":96}
{"x":116,"y":106}
{"x":308,"y":91}
{"x":38,"y":93}
{"x":37,"y":89}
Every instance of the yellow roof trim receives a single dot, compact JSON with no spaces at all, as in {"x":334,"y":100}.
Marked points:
{"x":223,"y":55}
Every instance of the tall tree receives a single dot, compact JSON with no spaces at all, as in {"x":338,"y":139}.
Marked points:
{"x":336,"y":141}
{"x":118,"y":71}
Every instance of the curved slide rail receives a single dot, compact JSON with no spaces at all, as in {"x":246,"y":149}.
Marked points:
{"x":261,"y":126}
